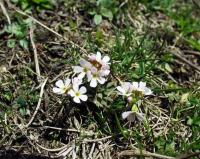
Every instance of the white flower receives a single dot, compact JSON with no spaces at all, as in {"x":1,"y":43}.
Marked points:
{"x":62,"y":86}
{"x":100,"y":63}
{"x":125,"y":89}
{"x":141,"y":87}
{"x":83,"y":69}
{"x":78,"y":94}
{"x":130,"y":116}
{"x":105,"y":60}
{"x":95,"y":76}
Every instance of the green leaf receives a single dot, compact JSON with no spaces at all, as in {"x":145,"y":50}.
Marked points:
{"x":15,"y":1}
{"x":16,"y":29}
{"x":190,"y":121}
{"x":97,"y":19}
{"x":92,"y":12}
{"x":107,"y":13}
{"x":21,"y":101}
{"x":40,"y":1}
{"x":194,"y":43}
{"x":22,"y":111}
{"x":134,"y":108}
{"x":105,"y":3}
{"x":11,"y":43}
{"x":24,"y":5}
{"x":28,"y":22}
{"x":24,"y":43}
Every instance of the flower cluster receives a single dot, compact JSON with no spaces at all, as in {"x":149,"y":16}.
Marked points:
{"x":133,"y":92}
{"x":96,"y":68}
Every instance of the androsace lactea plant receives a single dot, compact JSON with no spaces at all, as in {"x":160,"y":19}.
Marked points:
{"x":133,"y":92}
{"x":95,"y":69}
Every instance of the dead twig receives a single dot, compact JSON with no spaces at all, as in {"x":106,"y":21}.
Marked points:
{"x":91,"y":151}
{"x":97,"y":140}
{"x":83,"y":151}
{"x":142,"y":153}
{"x":192,"y":52}
{"x":39,"y":102}
{"x":175,"y":52}
{"x":196,"y":3}
{"x":88,"y":133}
{"x":65,"y":151}
{"x":37,"y":68}
{"x":52,"y":150}
{"x":187,"y":156}
{"x":5,"y":11}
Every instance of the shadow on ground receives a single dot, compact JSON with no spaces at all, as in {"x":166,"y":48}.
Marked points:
{"x":11,"y":154}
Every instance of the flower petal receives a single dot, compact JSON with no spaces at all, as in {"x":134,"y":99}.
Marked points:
{"x":84,"y":63}
{"x":98,"y":56}
{"x":82,"y":90}
{"x":135,"y":85}
{"x":105,"y":67}
{"x":60,"y":84}
{"x":106,"y":59}
{"x":140,"y":116}
{"x":71,"y":93}
{"x":77,"y":81}
{"x":126,"y":114}
{"x":83,"y":97}
{"x":89,"y":76}
{"x":131,"y":117}
{"x":127,"y":87}
{"x":101,"y":80}
{"x":92,"y":57}
{"x":93,"y":83}
{"x":142,"y":85}
{"x":81,"y":75}
{"x":77,"y":69}
{"x":57,"y":90}
{"x":121,"y":90}
{"x":93,"y":70}
{"x":75,"y":87}
{"x":105,"y":72}
{"x":67,"y":82}
{"x":147,"y":91}
{"x":76,"y":99}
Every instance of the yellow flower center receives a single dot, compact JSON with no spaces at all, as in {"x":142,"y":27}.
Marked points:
{"x":85,"y":69}
{"x":95,"y":75}
{"x":77,"y":94}
{"x":139,"y":93}
{"x":66,"y":89}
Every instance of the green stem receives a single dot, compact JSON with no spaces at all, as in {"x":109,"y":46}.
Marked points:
{"x":119,"y":125}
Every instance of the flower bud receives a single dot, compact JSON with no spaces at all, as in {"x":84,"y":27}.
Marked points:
{"x":130,"y":99}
